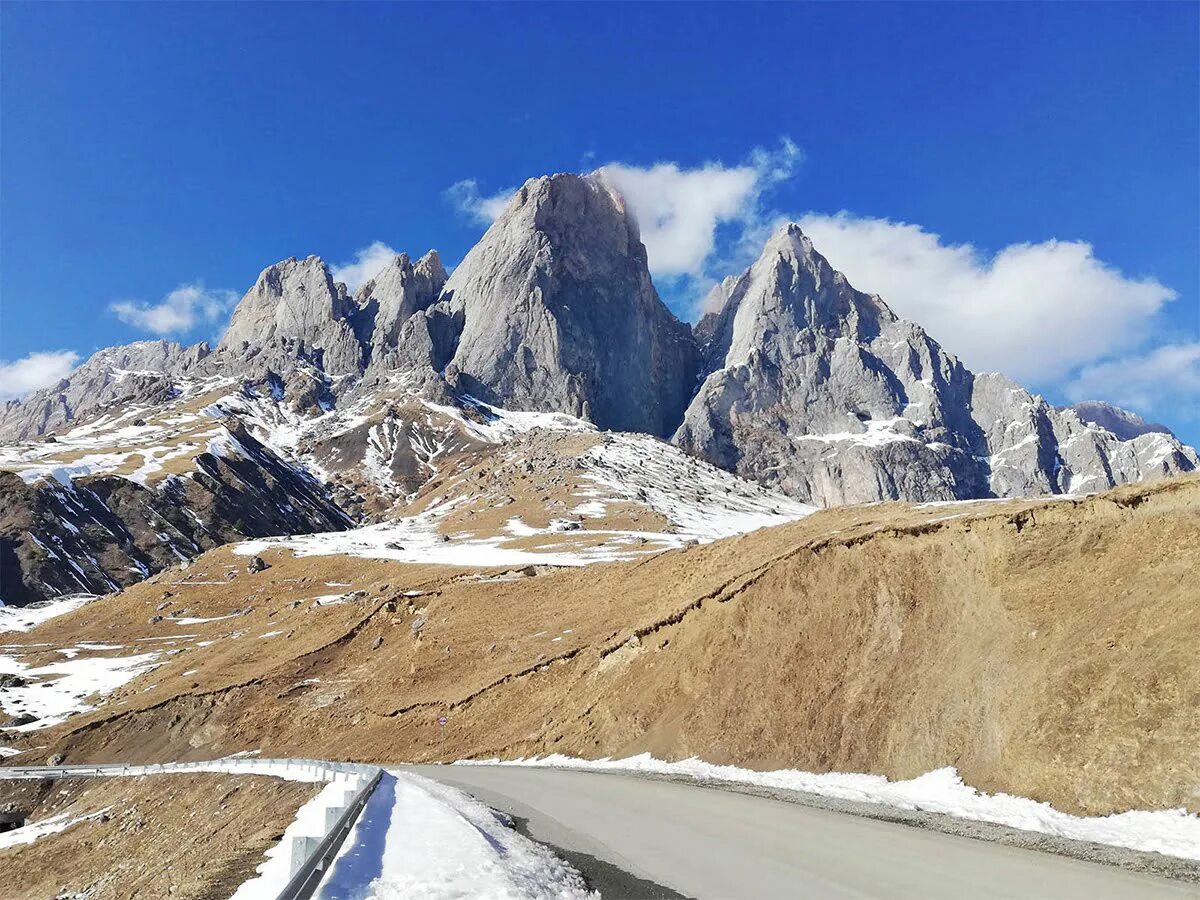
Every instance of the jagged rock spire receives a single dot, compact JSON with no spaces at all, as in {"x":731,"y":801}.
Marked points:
{"x":298,"y":300}
{"x":554,"y":310}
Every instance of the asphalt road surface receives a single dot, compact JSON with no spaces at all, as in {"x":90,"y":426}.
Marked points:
{"x":640,"y":838}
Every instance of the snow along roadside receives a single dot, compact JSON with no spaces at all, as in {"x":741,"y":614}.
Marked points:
{"x":1173,"y":832}
{"x":414,"y":837}
{"x":417,"y":838}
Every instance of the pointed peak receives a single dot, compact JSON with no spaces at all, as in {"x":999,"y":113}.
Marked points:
{"x":790,"y":236}
{"x":431,"y":264}
{"x":291,"y":264}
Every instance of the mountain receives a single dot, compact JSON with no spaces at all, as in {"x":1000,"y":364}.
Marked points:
{"x":320,"y":410}
{"x":820,"y":390}
{"x":1124,"y":424}
{"x":113,"y":377}
{"x":298,"y":300}
{"x":386,"y":302}
{"x":554,"y":310}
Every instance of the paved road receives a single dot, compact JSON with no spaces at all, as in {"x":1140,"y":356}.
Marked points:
{"x":635,"y":837}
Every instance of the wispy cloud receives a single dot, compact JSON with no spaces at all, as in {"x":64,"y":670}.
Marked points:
{"x":368,"y":262}
{"x":179,"y":312}
{"x":1163,"y":381}
{"x":480,"y":209}
{"x":678,"y":209}
{"x":1033,"y":311}
{"x":35,"y":371}
{"x":1049,"y":313}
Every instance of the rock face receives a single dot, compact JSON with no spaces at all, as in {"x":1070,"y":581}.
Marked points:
{"x":822,"y":391}
{"x":298,"y":300}
{"x":103,"y":532}
{"x":554,"y":311}
{"x":393,"y":296}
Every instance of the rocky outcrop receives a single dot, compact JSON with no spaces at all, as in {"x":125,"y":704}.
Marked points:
{"x":99,"y":533}
{"x":391,"y":298}
{"x":554,"y":311}
{"x":297,"y":300}
{"x":821,"y":390}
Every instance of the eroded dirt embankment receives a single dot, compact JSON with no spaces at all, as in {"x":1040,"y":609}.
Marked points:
{"x":1047,"y":649}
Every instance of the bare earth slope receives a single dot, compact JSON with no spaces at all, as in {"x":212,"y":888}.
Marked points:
{"x":1044,"y":648}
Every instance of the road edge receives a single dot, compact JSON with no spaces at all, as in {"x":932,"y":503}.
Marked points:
{"x":1139,"y":861}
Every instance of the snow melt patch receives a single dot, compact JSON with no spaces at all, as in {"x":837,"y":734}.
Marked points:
{"x":58,"y":690}
{"x":703,"y":502}
{"x":416,"y":539}
{"x":25,"y":618}
{"x":499,"y":425}
{"x":417,"y":838}
{"x":27,"y":834}
{"x":1174,"y":832}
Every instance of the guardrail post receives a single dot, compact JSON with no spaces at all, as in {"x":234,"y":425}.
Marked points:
{"x":332,"y":814}
{"x":302,"y":849}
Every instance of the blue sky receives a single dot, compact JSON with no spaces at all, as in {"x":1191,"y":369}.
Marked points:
{"x":147,"y":148}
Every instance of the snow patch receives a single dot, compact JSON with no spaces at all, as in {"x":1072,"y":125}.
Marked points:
{"x":27,"y":834}
{"x":58,"y":690}
{"x":417,"y":838}
{"x":25,"y":618}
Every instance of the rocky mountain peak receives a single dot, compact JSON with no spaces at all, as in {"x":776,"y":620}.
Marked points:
{"x":391,"y":298}
{"x":821,"y":390}
{"x":554,"y":310}
{"x":430,"y":266}
{"x":297,"y":300}
{"x":1124,"y":424}
{"x":789,"y":297}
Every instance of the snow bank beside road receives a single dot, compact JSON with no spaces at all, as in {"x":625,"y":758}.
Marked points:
{"x":1174,"y":832}
{"x":419,"y":839}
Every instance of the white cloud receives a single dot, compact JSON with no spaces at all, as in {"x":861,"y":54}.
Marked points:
{"x":368,"y":262}
{"x":35,"y":371}
{"x":1033,"y":311}
{"x":481,"y":210}
{"x":679,"y":210}
{"x":180,"y":311}
{"x":1163,"y":380}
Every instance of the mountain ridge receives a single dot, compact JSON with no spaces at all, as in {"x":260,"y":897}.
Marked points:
{"x":795,"y":380}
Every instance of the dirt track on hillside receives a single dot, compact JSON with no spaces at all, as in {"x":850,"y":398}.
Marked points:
{"x":1044,"y":648}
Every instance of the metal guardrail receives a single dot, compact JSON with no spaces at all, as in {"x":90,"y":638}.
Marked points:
{"x":306,"y":874}
{"x":307,"y":879}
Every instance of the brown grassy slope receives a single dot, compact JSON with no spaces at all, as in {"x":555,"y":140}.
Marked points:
{"x":1045,"y":648}
{"x":185,"y":836}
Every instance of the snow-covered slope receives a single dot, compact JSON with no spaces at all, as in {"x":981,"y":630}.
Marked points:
{"x":563,"y":495}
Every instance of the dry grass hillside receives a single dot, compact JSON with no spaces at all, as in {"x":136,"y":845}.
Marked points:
{"x":192,"y":837}
{"x":1045,"y":648}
